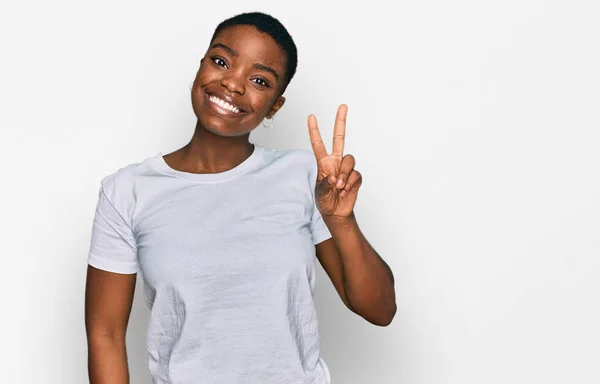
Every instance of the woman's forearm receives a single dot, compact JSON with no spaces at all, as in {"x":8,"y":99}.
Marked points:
{"x":107,"y":362}
{"x":368,"y":280}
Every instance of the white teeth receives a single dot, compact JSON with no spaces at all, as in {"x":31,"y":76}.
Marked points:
{"x":224,"y":104}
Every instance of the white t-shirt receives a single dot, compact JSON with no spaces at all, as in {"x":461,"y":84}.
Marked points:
{"x":228,"y":264}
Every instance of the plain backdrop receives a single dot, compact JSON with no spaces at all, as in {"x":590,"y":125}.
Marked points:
{"x":474,"y":123}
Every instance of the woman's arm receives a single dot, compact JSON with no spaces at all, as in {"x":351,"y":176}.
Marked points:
{"x":361,"y":277}
{"x":108,"y":300}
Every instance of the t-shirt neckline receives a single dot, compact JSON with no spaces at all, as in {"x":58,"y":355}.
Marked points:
{"x":159,"y":163}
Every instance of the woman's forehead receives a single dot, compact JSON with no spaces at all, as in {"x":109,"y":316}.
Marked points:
{"x":248,"y":42}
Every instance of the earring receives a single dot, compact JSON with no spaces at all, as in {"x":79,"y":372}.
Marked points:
{"x":272,"y":123}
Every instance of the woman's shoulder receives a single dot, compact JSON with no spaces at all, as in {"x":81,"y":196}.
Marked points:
{"x":294,"y":161}
{"x":124,"y":178}
{"x":296,"y":156}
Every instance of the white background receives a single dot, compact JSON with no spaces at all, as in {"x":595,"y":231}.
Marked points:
{"x":474,"y":123}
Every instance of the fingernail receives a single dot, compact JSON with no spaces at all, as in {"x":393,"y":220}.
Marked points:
{"x":340,"y":183}
{"x":343,"y":192}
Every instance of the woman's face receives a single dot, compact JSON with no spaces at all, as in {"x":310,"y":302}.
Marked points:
{"x":239,"y":81}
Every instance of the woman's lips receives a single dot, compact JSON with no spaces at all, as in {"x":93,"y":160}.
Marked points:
{"x":223,"y":107}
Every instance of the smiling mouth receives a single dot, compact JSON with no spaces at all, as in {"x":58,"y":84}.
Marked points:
{"x":224,"y":105}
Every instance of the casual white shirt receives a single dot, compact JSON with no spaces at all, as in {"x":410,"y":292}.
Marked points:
{"x":228,"y":264}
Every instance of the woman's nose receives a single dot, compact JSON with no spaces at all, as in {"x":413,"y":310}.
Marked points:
{"x":233,"y":82}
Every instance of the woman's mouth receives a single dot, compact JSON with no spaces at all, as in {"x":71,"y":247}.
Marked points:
{"x":222,"y":105}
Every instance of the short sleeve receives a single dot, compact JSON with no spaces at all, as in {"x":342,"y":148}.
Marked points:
{"x":318,"y":228}
{"x":113,"y":247}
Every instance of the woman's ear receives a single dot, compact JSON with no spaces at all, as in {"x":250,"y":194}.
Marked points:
{"x":276,"y":107}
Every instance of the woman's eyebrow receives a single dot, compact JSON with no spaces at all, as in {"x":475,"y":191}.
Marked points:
{"x":227,"y":49}
{"x":262,"y":67}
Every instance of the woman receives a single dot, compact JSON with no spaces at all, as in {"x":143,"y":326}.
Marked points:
{"x":225,"y":233}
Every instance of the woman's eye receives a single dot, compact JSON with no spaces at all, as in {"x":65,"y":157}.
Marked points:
{"x":261,"y":82}
{"x":220,"y":62}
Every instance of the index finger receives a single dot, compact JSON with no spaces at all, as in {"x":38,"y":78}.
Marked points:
{"x":315,"y":138}
{"x":339,"y":131}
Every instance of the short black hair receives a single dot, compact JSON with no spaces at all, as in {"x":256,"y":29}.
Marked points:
{"x":270,"y":25}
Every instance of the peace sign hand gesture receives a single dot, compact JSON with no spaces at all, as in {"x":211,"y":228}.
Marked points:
{"x":337,"y":183}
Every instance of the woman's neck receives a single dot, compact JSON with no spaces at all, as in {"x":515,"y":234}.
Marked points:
{"x":210,"y":153}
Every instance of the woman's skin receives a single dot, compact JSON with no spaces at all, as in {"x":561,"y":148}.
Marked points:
{"x":247,"y":69}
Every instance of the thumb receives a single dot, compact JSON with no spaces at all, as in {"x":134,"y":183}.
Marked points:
{"x":325,"y":184}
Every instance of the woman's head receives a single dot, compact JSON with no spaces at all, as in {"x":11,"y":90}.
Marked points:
{"x":247,"y":67}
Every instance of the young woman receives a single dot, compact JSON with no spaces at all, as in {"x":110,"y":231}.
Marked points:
{"x":226,"y":232}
